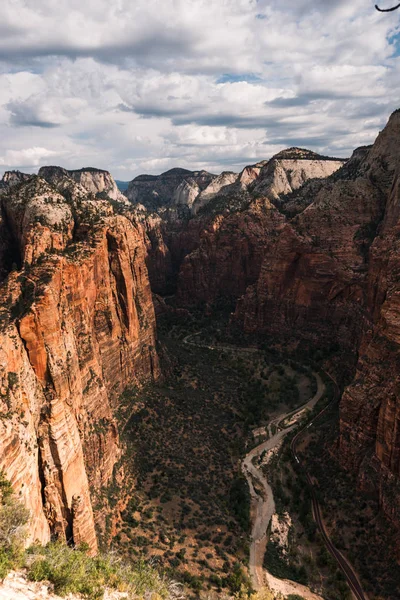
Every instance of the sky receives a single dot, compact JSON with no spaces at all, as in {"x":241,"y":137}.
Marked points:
{"x":141,"y":86}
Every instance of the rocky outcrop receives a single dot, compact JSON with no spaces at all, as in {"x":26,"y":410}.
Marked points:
{"x":172,"y":188}
{"x":11,"y":178}
{"x":217,"y":186}
{"x":96,"y":182}
{"x":288,"y":170}
{"x":240,"y":225}
{"x":77,"y":326}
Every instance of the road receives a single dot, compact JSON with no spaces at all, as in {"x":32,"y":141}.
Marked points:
{"x":263,"y":505}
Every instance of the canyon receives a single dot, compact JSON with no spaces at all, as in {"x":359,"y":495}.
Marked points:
{"x":301,"y":250}
{"x":307,"y":252}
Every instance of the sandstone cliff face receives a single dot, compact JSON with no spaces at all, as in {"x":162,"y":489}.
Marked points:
{"x":96,"y":182}
{"x":77,"y":326}
{"x":290,"y":169}
{"x":13,"y":178}
{"x":370,"y":407}
{"x":228,"y":255}
{"x":174,"y":187}
{"x":221,"y":182}
{"x":236,"y":230}
{"x":313,"y":277}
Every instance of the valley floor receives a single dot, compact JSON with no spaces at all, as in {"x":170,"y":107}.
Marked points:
{"x":180,"y":495}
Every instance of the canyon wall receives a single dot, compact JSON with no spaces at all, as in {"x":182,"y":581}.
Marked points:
{"x":212,"y":244}
{"x":77,"y":326}
{"x":308,"y":250}
{"x":332,"y":274}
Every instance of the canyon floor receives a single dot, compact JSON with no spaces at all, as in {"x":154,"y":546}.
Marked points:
{"x":183,"y":499}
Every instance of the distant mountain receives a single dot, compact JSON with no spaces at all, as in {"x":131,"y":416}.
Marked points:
{"x":122,"y":185}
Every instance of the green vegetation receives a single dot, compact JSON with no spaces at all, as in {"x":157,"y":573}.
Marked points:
{"x":355,"y":521}
{"x":13,"y":518}
{"x":71,"y":570}
{"x":184,"y":438}
{"x":284,"y":568}
{"x":239,"y":498}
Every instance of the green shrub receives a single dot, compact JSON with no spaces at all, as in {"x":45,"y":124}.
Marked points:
{"x":71,"y":570}
{"x":13,"y":518}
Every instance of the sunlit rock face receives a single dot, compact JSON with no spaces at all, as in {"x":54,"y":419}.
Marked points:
{"x":77,"y":326}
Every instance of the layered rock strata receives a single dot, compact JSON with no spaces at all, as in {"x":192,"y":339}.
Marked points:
{"x":77,"y":326}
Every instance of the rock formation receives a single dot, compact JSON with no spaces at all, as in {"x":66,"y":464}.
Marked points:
{"x":95,"y":181}
{"x":172,"y":188}
{"x":308,"y":247}
{"x":238,"y":224}
{"x":305,"y":247}
{"x":77,"y":326}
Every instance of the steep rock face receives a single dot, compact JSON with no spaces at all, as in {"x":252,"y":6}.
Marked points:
{"x":41,"y":220}
{"x":11,"y":178}
{"x":97,"y":181}
{"x":158,"y":259}
{"x":77,"y":326}
{"x":313,"y":278}
{"x":228,"y":255}
{"x":221,"y":182}
{"x":370,"y":407}
{"x":236,"y":231}
{"x":89,"y":180}
{"x":174,"y":187}
{"x":290,"y":169}
{"x":10,"y":257}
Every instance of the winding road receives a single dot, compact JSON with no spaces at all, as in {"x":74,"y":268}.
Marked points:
{"x":263,"y":501}
{"x":263,"y":505}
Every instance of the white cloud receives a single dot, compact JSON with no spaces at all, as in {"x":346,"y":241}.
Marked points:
{"x":147,"y":85}
{"x":28,"y":157}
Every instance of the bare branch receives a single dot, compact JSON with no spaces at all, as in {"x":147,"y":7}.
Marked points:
{"x":387,"y":9}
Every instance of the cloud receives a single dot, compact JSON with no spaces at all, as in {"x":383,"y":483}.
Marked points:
{"x":147,"y":85}
{"x":28,"y":157}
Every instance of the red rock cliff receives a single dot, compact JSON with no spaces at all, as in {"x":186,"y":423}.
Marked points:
{"x":78,"y":327}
